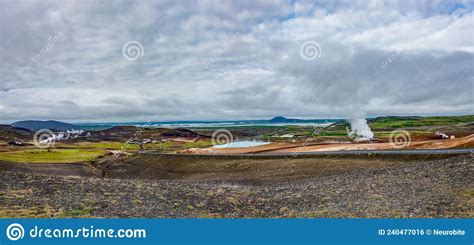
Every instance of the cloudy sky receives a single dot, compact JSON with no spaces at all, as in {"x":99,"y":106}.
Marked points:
{"x":80,"y":61}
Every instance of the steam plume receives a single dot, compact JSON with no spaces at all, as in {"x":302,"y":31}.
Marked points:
{"x":360,"y":130}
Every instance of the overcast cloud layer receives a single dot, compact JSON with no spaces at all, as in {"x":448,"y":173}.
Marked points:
{"x":234,"y":59}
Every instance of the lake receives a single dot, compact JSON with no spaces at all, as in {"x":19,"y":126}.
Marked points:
{"x":237,"y":144}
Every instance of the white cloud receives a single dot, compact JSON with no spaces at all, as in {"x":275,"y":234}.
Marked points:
{"x":260,"y":74}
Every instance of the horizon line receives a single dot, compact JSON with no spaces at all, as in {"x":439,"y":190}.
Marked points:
{"x":221,"y":120}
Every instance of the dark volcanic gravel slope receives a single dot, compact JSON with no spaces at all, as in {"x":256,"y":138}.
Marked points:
{"x":434,"y":188}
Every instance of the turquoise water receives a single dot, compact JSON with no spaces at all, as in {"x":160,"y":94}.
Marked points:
{"x":203,"y":124}
{"x":237,"y":144}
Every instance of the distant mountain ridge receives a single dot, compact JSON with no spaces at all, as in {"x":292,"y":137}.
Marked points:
{"x":288,"y":120}
{"x":34,"y":125}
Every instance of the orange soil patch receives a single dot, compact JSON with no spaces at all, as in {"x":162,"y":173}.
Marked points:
{"x":241,"y":150}
{"x":467,"y":141}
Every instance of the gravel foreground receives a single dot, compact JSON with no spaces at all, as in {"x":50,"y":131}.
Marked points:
{"x":430,"y":188}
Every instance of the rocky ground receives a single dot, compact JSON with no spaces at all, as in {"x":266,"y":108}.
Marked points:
{"x":426,"y":188}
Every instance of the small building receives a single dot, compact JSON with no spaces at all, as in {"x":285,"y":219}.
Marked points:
{"x":15,"y":143}
{"x":441,"y":135}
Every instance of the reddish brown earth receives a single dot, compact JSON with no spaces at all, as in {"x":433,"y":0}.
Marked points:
{"x":467,"y":141}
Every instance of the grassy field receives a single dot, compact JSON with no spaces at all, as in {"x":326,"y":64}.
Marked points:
{"x":394,"y":122}
{"x":66,"y":152}
{"x":379,"y":126}
{"x":115,"y":145}
{"x":109,"y":145}
{"x":199,"y":144}
{"x":51,"y":156}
